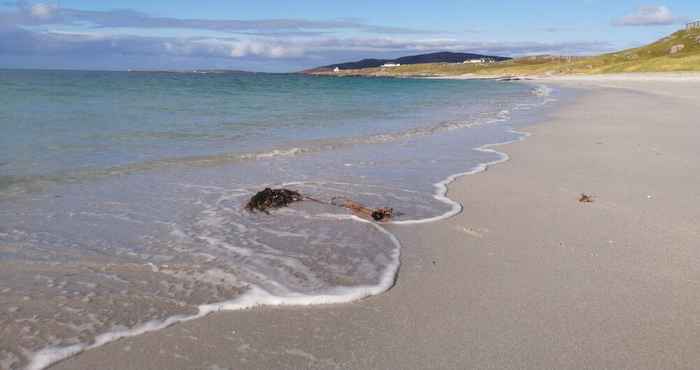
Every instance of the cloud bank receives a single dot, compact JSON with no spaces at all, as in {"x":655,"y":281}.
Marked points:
{"x":35,"y":14}
{"x":43,"y":33}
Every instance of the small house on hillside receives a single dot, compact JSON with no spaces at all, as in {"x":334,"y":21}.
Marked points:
{"x":692,"y":25}
{"x":391,"y":65}
{"x":336,"y":69}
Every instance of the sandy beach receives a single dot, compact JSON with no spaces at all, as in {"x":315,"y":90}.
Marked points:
{"x":527,"y":277}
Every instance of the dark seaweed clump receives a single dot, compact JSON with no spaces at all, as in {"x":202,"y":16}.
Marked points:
{"x":268,"y":199}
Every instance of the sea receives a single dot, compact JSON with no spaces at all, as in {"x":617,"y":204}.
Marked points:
{"x":122,"y":194}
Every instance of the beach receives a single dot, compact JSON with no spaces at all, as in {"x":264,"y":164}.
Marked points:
{"x":117,"y":224}
{"x":526,"y":277}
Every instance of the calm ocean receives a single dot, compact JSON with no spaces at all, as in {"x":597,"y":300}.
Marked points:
{"x":121,"y":193}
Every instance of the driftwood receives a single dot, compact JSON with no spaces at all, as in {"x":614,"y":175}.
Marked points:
{"x":585,"y":198}
{"x":377,"y":214}
{"x":268,"y":199}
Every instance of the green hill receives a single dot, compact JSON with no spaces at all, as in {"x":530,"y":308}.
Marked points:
{"x":675,"y":53}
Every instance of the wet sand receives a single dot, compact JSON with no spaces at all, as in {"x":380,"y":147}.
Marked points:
{"x":527,"y":277}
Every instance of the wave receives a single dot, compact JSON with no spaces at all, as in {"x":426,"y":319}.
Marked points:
{"x":11,"y":185}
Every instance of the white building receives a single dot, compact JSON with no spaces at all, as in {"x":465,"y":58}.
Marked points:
{"x":692,"y":25}
{"x":336,"y":69}
{"x":479,"y":61}
{"x":391,"y":65}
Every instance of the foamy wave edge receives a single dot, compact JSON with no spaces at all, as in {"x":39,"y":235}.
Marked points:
{"x":257,"y":296}
{"x":253,"y":297}
{"x":442,"y":187}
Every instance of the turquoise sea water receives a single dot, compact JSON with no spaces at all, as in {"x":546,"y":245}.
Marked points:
{"x":121,"y":193}
{"x":58,"y":122}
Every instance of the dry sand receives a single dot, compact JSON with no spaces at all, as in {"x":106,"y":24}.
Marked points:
{"x":526,"y":278}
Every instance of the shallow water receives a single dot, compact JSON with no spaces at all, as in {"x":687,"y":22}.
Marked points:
{"x":121,"y":194}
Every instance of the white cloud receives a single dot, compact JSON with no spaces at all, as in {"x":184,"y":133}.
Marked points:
{"x":246,"y":48}
{"x":42,"y":10}
{"x":649,"y":16}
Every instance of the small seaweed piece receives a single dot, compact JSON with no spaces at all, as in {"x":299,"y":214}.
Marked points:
{"x":269,"y":198}
{"x":381,"y":214}
{"x":585,"y":198}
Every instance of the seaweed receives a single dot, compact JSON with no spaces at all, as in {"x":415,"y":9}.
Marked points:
{"x":269,"y":198}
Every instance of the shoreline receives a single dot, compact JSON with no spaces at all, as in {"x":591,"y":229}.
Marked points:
{"x":388,"y":311}
{"x":257,"y":297}
{"x":632,"y":77}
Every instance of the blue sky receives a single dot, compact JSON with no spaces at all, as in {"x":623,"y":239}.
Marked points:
{"x":266,"y":35}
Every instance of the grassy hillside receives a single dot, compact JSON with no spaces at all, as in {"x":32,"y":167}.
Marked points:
{"x":656,"y":57}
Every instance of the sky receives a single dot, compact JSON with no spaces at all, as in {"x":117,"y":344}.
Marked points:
{"x":291,"y":35}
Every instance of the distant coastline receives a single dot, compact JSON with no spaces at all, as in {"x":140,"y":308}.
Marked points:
{"x":678,"y":52}
{"x":200,"y":71}
{"x":439,"y":57}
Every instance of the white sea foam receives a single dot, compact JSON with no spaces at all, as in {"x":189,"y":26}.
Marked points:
{"x":252,"y":297}
{"x":280,"y":153}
